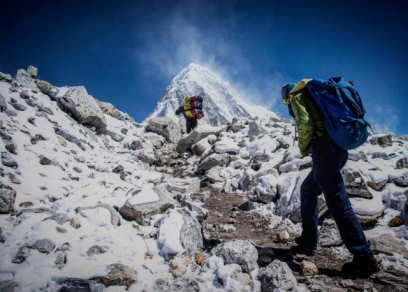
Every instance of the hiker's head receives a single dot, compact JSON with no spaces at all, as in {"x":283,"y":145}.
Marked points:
{"x":285,"y":92}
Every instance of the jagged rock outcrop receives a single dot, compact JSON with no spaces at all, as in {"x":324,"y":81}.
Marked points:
{"x":195,"y":136}
{"x":165,"y":127}
{"x":108,"y":109}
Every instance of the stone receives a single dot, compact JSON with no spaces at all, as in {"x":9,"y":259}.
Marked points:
{"x":201,"y":213}
{"x":23,"y":79}
{"x":380,"y":155}
{"x":19,"y":107}
{"x":124,"y":131}
{"x":329,"y":234}
{"x":402,"y":163}
{"x":75,"y":223}
{"x":25,"y":94}
{"x":165,"y":127}
{"x":357,"y":155}
{"x":83,"y":108}
{"x":265,"y":256}
{"x":199,"y":133}
{"x":45,"y":161}
{"x":32,"y":71}
{"x":6,"y":77}
{"x":385,"y":140}
{"x":118,"y":275}
{"x":118,"y":169}
{"x":26,"y":204}
{"x":156,"y":140}
{"x":240,"y":252}
{"x":178,"y":266}
{"x":191,"y":237}
{"x":96,"y":249}
{"x":255,"y":130}
{"x":21,"y":256}
{"x":190,"y":185}
{"x":145,"y":155}
{"x":276,"y":275}
{"x":388,"y":245}
{"x":396,"y":222}
{"x":60,"y":218}
{"x":7,"y":197}
{"x":7,"y":160}
{"x":3,"y":103}
{"x":7,"y":283}
{"x":200,"y":259}
{"x":308,"y":269}
{"x":43,"y":246}
{"x":243,"y":278}
{"x":77,"y":169}
{"x":214,"y":160}
{"x":114,"y":136}
{"x":79,"y":285}
{"x":60,"y":261}
{"x":61,"y":230}
{"x":201,"y":146}
{"x":283,"y":236}
{"x":14,"y":179}
{"x":262,"y":190}
{"x":186,"y":285}
{"x":369,"y":221}
{"x":402,"y":181}
{"x":115,"y":218}
{"x":47,"y":89}
{"x":108,"y":109}
{"x":142,"y":213}
{"x":355,"y":184}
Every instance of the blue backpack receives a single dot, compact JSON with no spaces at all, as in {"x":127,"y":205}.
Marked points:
{"x":343,"y":111}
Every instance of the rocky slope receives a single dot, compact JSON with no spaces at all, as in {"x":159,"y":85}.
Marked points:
{"x":221,"y":103}
{"x":91,"y":201}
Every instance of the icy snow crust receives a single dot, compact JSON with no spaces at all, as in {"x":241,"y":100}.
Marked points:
{"x":56,"y":187}
{"x":221,"y":104}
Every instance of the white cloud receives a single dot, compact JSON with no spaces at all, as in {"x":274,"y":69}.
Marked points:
{"x":384,"y":118}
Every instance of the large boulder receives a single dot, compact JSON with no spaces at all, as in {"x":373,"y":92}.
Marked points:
{"x":179,"y":234}
{"x":388,"y":245}
{"x":22,"y":78}
{"x":384,"y":140}
{"x":255,"y":130}
{"x":32,"y":71}
{"x":240,"y":252}
{"x":7,"y":196}
{"x":263,"y":189}
{"x":277,"y":275}
{"x":214,"y":160}
{"x":196,"y":135}
{"x":146,"y":203}
{"x":190,"y":185}
{"x":165,"y":127}
{"x":84,"y":108}
{"x":355,"y":184}
{"x":402,"y":181}
{"x":108,"y":109}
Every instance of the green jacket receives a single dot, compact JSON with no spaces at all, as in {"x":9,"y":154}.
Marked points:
{"x":309,"y":120}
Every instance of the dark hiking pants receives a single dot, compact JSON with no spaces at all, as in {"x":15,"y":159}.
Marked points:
{"x":325,"y":177}
{"x":191,"y":124}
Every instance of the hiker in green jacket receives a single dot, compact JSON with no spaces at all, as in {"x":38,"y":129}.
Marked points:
{"x":325,"y":177}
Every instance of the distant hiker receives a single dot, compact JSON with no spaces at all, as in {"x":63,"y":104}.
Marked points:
{"x":316,"y":139}
{"x":192,"y":111}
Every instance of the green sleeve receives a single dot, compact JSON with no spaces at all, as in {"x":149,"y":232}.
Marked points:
{"x":304,"y":123}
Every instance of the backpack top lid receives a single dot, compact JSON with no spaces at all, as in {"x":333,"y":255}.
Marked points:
{"x":285,"y":92}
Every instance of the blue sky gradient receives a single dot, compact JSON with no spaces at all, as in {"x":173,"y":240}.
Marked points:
{"x":127,"y":52}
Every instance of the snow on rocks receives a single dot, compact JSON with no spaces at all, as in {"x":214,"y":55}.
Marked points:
{"x":199,"y":133}
{"x":108,"y":109}
{"x":165,"y":127}
{"x":388,"y":244}
{"x":23,"y":79}
{"x":7,"y":197}
{"x":329,"y":234}
{"x":214,"y":160}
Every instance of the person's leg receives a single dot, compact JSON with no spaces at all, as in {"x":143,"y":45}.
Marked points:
{"x":327,"y":165}
{"x":193,"y":124}
{"x":309,"y":191}
{"x":188,"y":126}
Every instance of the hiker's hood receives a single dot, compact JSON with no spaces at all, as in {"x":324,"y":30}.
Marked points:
{"x":298,"y":87}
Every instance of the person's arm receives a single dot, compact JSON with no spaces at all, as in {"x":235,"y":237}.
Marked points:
{"x":303,"y":123}
{"x":179,"y":110}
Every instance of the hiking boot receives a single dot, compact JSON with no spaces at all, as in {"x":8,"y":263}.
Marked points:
{"x":361,"y":266}
{"x":302,"y":249}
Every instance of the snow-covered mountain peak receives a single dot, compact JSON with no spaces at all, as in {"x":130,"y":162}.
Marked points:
{"x":221,"y":103}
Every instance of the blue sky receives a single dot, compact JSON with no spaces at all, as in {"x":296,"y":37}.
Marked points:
{"x":127,"y":52}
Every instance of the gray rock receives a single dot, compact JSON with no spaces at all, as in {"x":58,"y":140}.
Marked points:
{"x":145,"y":155}
{"x":118,"y":169}
{"x":380,"y":155}
{"x":118,"y":275}
{"x":188,"y":185}
{"x":385,"y":140}
{"x":21,"y":256}
{"x":3,"y":103}
{"x":43,"y":246}
{"x":255,"y":130}
{"x":165,"y":127}
{"x":124,"y":131}
{"x":115,"y":218}
{"x":7,"y":196}
{"x":329,"y":234}
{"x":32,"y":71}
{"x":277,"y":275}
{"x":402,"y":181}
{"x":14,"y":179}
{"x":388,"y":245}
{"x":96,"y":249}
{"x":114,"y":136}
{"x":258,"y":192}
{"x":240,"y":252}
{"x":60,"y":261}
{"x":7,"y":283}
{"x":402,"y":163}
{"x":60,"y":218}
{"x":45,"y":161}
{"x":79,"y":285}
{"x":191,"y":237}
{"x":8,"y":160}
{"x":108,"y":109}
{"x":404,"y":137}
{"x":19,"y":106}
{"x":10,"y":113}
{"x":70,"y":138}
{"x":214,"y":160}
{"x":142,"y":213}
{"x":356,"y":156}
{"x":200,"y":212}
{"x":25,"y":94}
{"x":195,"y":136}
{"x":355,"y":184}
{"x":83,"y":108}
{"x":22,"y":78}
{"x":156,"y":140}
{"x":48,"y":89}
{"x":6,"y":77}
